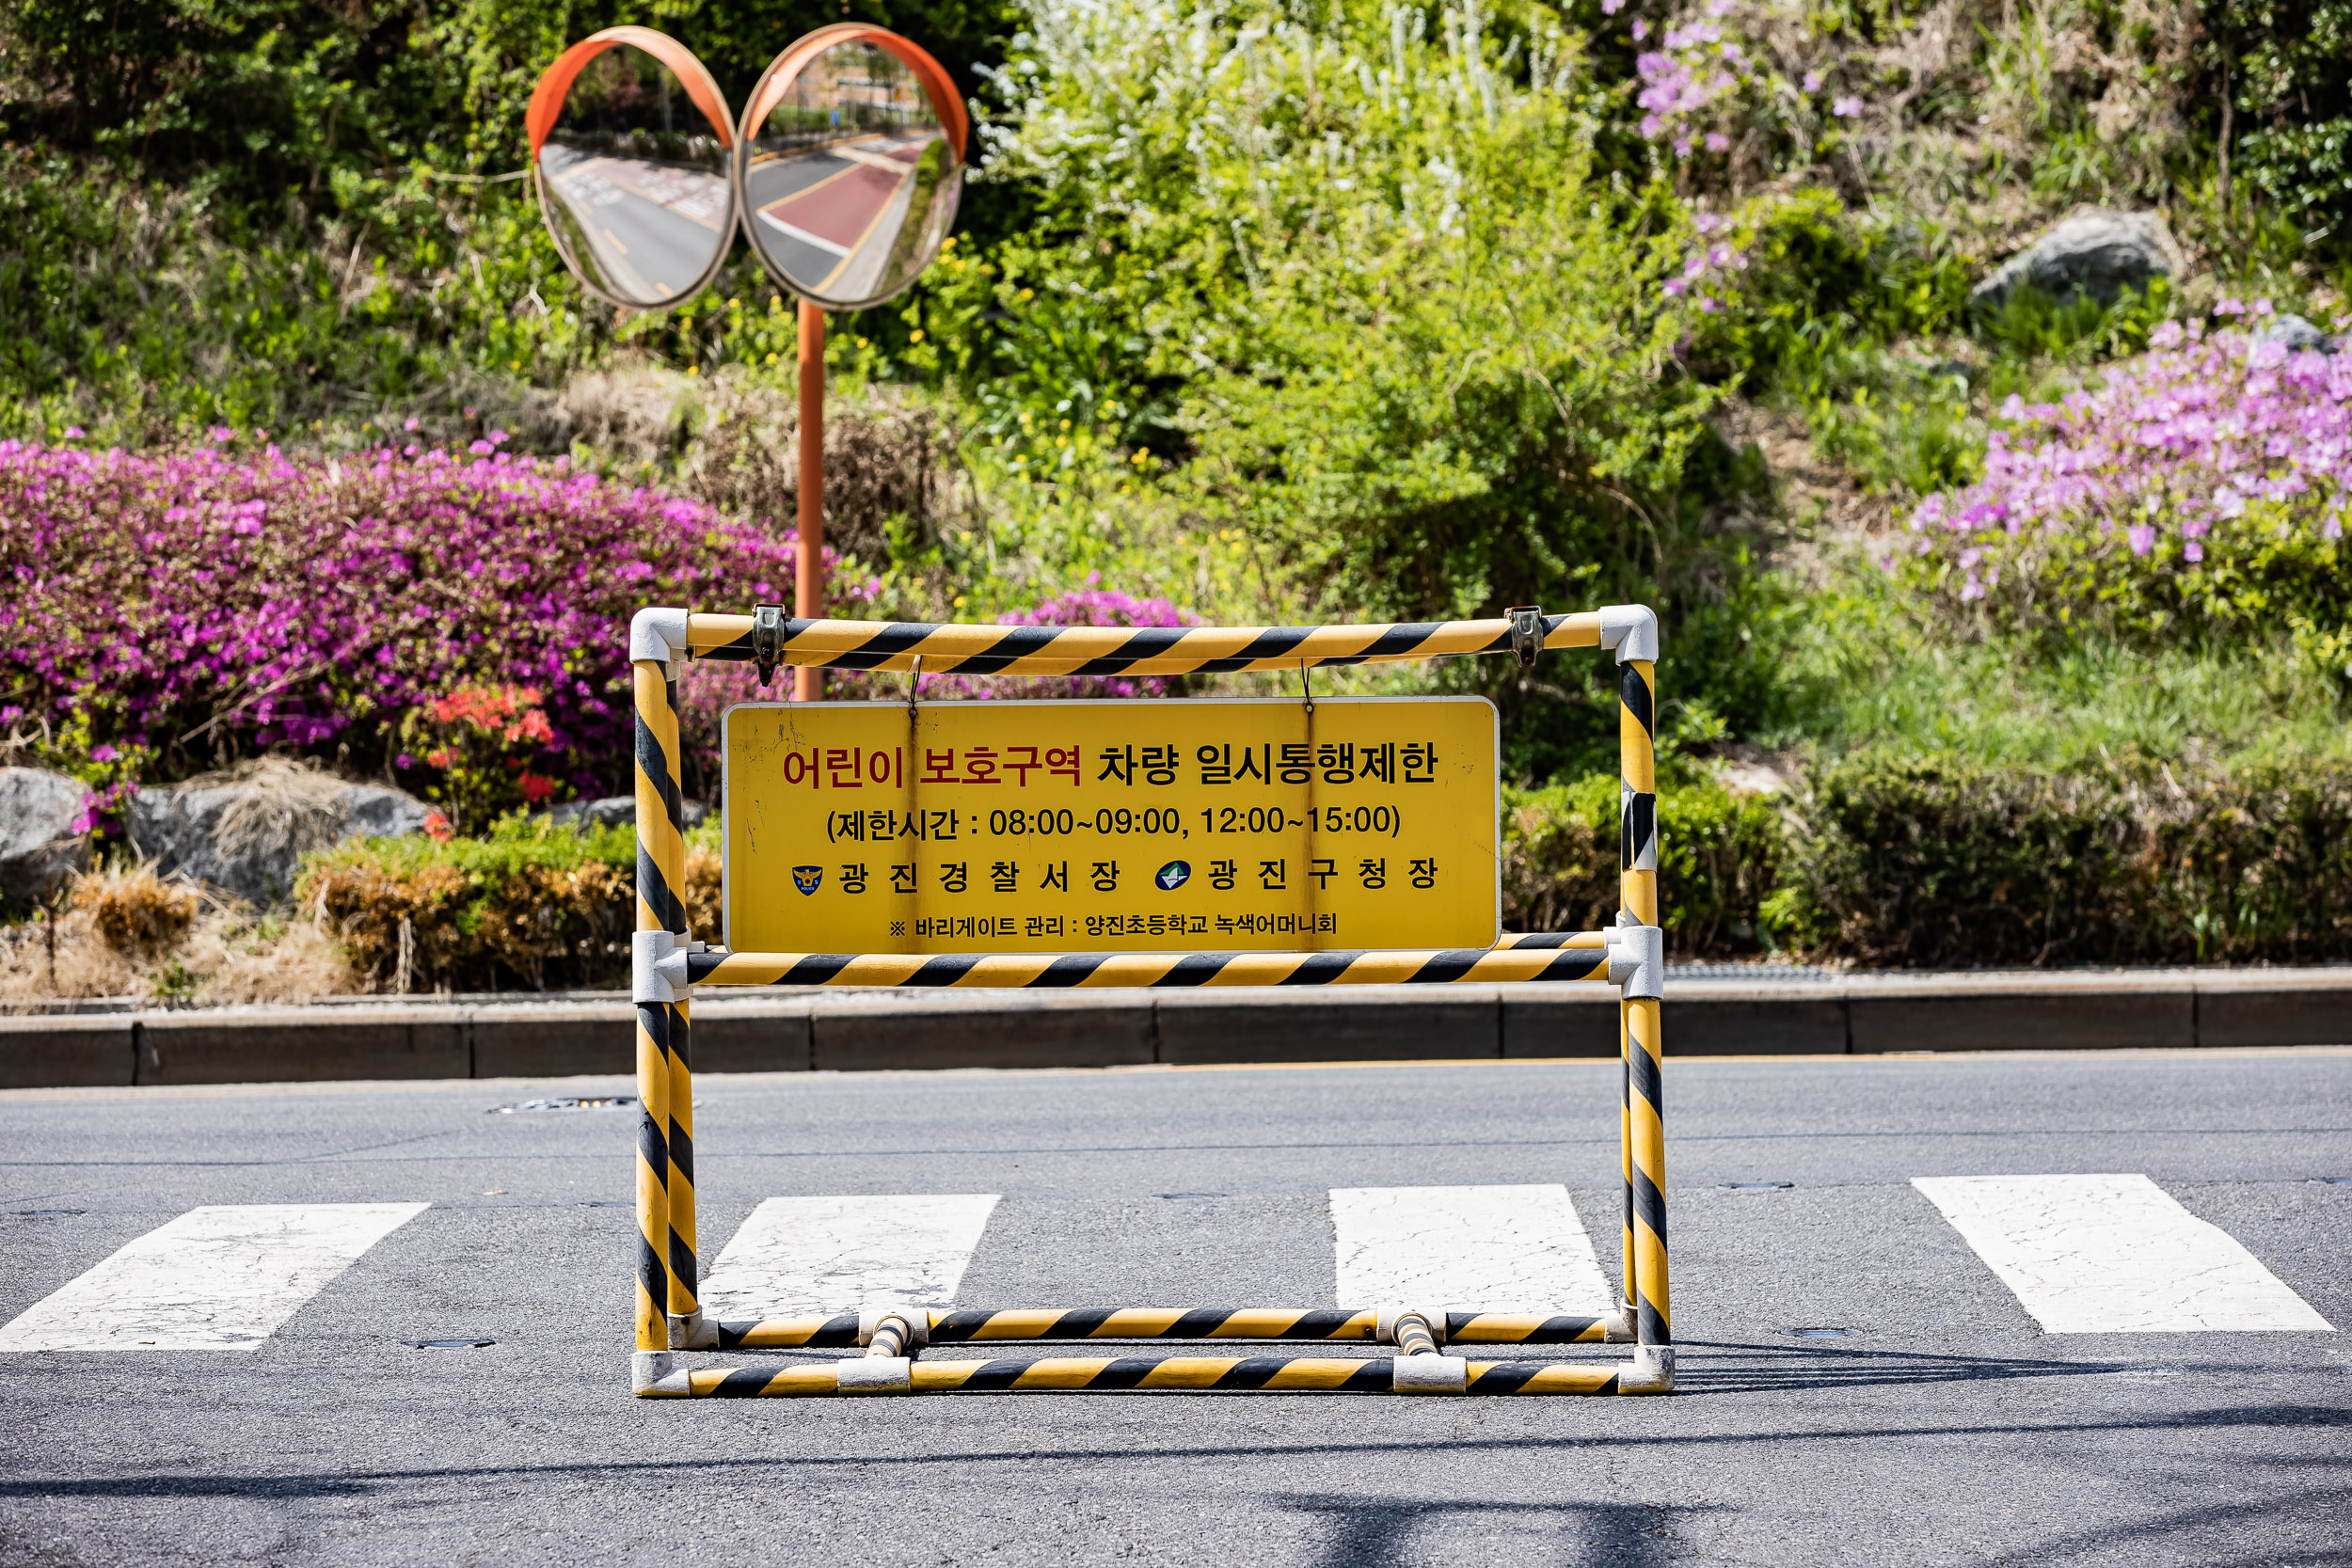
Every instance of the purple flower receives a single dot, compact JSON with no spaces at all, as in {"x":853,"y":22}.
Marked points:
{"x":313,"y":603}
{"x":1846,"y":108}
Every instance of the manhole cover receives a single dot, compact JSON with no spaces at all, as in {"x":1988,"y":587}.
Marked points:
{"x":571,"y":1102}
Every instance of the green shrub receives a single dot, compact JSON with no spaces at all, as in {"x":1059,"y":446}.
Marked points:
{"x":530,"y":902}
{"x":1940,"y":864}
{"x":1717,"y":853}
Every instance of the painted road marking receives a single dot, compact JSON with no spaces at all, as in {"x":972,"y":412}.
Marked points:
{"x":789,"y":232}
{"x":221,"y":1277}
{"x":2113,"y":1255}
{"x":1495,"y":1249}
{"x":837,"y":1254}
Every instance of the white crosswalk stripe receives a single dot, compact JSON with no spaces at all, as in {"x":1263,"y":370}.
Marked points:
{"x":1496,"y":1249}
{"x":220,"y":1277}
{"x":2113,"y":1253}
{"x":837,"y":1254}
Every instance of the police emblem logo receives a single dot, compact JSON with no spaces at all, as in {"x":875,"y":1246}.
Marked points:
{"x":806,"y":878}
{"x":1172,"y":875}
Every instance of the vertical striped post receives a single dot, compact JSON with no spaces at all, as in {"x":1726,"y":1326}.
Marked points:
{"x":654,"y":904}
{"x":1644,"y":1101}
{"x":661,"y":898}
{"x":685,"y":1268}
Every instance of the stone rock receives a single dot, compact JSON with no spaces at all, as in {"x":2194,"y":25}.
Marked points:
{"x":615,"y":810}
{"x":2296,"y":333}
{"x":2099,"y":253}
{"x":245,"y":832}
{"x":39,"y":848}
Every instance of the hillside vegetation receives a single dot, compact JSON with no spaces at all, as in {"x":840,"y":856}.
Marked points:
{"x":1275,"y":312}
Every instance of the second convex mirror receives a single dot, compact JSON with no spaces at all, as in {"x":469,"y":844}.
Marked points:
{"x":630,"y":145}
{"x":849,"y":164}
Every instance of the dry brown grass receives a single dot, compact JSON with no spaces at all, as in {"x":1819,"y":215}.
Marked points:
{"x":136,"y":912}
{"x":883,"y":460}
{"x":128,"y":932}
{"x":702,"y":891}
{"x":68,"y":959}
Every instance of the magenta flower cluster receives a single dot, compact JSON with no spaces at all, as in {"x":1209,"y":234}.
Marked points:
{"x":163,"y":603}
{"x":2174,"y":444}
{"x":1710,"y":270}
{"x":1695,"y":66}
{"x":1687,"y":78}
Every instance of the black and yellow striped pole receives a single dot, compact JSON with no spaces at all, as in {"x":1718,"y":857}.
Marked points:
{"x":1106,"y":1374}
{"x":668,"y":1308}
{"x":845,"y":1329}
{"x":1631,"y":632}
{"x":970,"y":650}
{"x":1590,"y":960}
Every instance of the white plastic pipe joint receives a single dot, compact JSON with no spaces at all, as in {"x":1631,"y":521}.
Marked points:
{"x":1637,"y":960}
{"x":657,"y":969}
{"x":658,"y":635}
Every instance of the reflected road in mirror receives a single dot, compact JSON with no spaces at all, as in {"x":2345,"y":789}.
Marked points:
{"x":851,"y":182}
{"x":633,"y":180}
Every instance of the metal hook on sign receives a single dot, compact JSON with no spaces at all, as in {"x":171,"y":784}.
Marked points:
{"x":1307,"y":686}
{"x":1526,"y":633}
{"x":767,"y":638}
{"x":914,"y":682}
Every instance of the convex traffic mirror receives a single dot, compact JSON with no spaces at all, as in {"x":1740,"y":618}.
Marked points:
{"x":843,"y":174}
{"x":630,"y":145}
{"x":850,"y":165}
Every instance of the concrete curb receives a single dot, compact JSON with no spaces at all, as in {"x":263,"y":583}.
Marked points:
{"x":769,"y":1030}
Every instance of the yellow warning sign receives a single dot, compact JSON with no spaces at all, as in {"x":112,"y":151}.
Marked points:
{"x":1142,"y":826}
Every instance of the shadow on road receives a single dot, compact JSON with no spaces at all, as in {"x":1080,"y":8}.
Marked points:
{"x":371,"y":1482}
{"x":1392,"y":1532}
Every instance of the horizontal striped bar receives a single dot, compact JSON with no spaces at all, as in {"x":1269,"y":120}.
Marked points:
{"x":834,"y":1332}
{"x":979,"y":650}
{"x":1083,"y":1322}
{"x":1527,"y":941}
{"x":1524,"y":1328}
{"x":1231,"y":1373}
{"x":1165,"y":1323}
{"x":1049,"y":970}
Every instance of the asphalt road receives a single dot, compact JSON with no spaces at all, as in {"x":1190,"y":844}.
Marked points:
{"x":1947,"y":1428}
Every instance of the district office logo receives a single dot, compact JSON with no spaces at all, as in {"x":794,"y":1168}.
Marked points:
{"x":1175,"y":874}
{"x":806,"y":878}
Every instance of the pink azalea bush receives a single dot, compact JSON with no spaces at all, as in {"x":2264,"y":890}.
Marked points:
{"x":1709,"y":79}
{"x":2200,"y":485}
{"x":165,"y":610}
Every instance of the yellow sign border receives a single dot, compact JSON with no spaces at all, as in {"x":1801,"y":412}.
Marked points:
{"x":727,"y":880}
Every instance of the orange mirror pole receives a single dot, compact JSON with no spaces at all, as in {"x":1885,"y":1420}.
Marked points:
{"x":808,"y":575}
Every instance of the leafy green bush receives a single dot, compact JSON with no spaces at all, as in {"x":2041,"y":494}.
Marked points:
{"x":1933,"y":863}
{"x":1718,"y":854}
{"x":531,"y":902}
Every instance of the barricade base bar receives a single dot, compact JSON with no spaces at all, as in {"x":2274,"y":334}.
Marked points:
{"x":1122,"y":1374}
{"x":1522,"y":963}
{"x":841,"y":1331}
